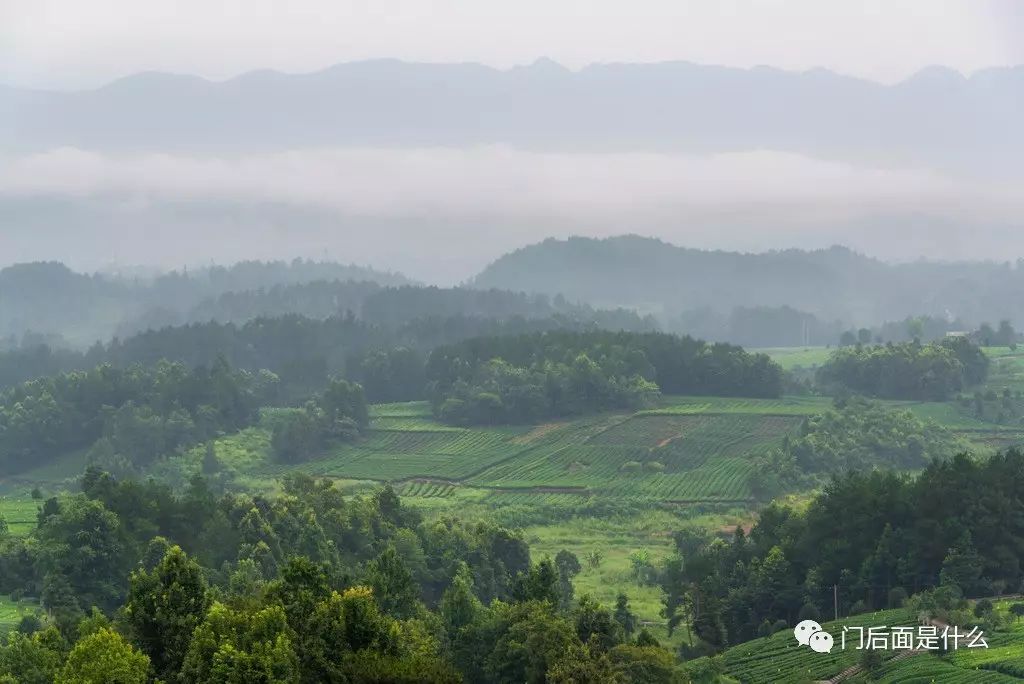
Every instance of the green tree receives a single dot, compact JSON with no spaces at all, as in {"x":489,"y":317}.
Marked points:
{"x":33,"y":659}
{"x":962,"y":566}
{"x":459,"y":606}
{"x":86,"y":543}
{"x":60,"y":601}
{"x":581,"y":665}
{"x":232,"y":646}
{"x":647,"y":664}
{"x":539,"y":583}
{"x":530,"y":638}
{"x":624,"y":616}
{"x":392,"y":583}
{"x":568,"y":567}
{"x":640,"y":565}
{"x":164,"y":607}
{"x":211,"y":464}
{"x":595,"y":625}
{"x":104,"y":658}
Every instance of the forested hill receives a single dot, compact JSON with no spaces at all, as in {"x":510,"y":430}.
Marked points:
{"x":50,"y":299}
{"x":832,"y":284}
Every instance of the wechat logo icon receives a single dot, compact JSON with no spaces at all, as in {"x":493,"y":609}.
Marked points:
{"x":810,"y":633}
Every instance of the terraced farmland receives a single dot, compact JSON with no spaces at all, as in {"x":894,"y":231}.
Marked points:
{"x":780,"y":659}
{"x":925,"y":667}
{"x":690,"y":449}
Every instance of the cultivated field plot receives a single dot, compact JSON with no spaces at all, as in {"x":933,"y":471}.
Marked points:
{"x":685,"y":457}
{"x":401,"y":447}
{"x":780,"y":659}
{"x":784,"y":406}
{"x":1007,"y":368}
{"x":19,"y":513}
{"x":692,"y":449}
{"x":1005,"y":653}
{"x":11,"y":612}
{"x":792,"y":358}
{"x":927,"y":668}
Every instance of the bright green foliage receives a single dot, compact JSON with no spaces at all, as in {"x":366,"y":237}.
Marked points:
{"x":646,"y":664}
{"x":232,"y":646}
{"x":347,"y":638}
{"x":164,"y":607}
{"x":104,"y":658}
{"x":582,"y":665}
{"x":33,"y":659}
{"x":280,"y":564}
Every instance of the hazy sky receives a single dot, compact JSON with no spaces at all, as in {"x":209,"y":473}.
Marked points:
{"x":84,"y":43}
{"x":389,"y":206}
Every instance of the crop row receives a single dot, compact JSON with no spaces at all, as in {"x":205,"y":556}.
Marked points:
{"x":928,"y":668}
{"x":410,"y":423}
{"x":779,"y":658}
{"x":785,"y":406}
{"x":428,"y":489}
{"x":402,"y":409}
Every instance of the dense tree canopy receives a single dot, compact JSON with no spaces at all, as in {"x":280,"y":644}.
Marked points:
{"x":868,"y":534}
{"x":854,"y":436}
{"x":527,"y":377}
{"x":129,"y":416}
{"x":906,"y":371}
{"x":309,"y":586}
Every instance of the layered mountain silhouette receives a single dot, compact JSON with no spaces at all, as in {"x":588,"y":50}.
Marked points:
{"x":938,"y":118}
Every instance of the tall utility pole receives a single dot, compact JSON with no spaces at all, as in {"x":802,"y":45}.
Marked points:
{"x":835,"y":600}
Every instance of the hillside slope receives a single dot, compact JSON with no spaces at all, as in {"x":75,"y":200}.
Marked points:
{"x":834,"y":283}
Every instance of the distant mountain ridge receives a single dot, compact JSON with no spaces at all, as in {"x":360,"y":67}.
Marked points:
{"x":936,"y":118}
{"x":832,"y":284}
{"x":49,"y":298}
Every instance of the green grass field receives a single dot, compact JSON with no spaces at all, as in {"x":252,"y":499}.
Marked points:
{"x":11,"y":612}
{"x":615,"y":538}
{"x":792,"y":358}
{"x":19,"y":512}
